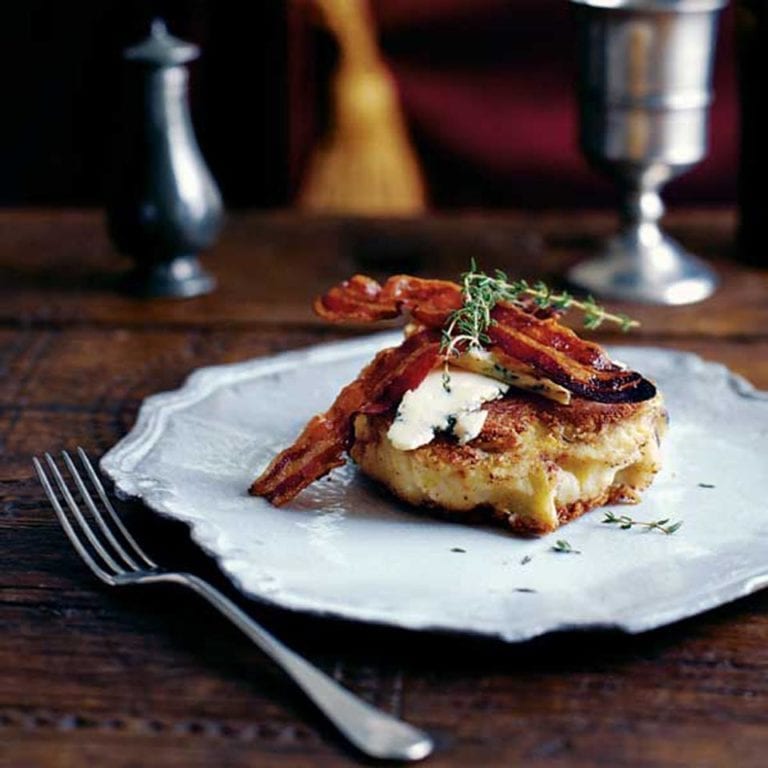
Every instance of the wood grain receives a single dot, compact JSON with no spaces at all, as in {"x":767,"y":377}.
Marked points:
{"x":154,"y":678}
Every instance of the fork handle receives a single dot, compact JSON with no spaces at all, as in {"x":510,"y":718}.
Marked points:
{"x":373,"y":732}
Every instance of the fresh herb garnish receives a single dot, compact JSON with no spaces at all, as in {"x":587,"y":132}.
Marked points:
{"x":564,"y":547}
{"x":458,"y":549}
{"x":527,"y":559}
{"x":625,"y":522}
{"x":706,"y":485}
{"x":467,"y":327}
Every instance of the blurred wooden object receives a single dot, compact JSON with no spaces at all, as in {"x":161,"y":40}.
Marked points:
{"x":365,"y":164}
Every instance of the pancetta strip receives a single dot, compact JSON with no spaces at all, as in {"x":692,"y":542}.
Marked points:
{"x":321,"y":445}
{"x":551,"y":349}
{"x":362,"y":299}
{"x":617,"y":385}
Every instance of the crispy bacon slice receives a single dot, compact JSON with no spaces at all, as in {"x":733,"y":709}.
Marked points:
{"x":549,"y":332}
{"x":359,"y":298}
{"x":557,"y":353}
{"x":430,"y":302}
{"x":362,"y":299}
{"x":321,"y":445}
{"x":551,"y":349}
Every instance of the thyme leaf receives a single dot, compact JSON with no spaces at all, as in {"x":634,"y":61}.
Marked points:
{"x":625,"y":522}
{"x":564,"y":547}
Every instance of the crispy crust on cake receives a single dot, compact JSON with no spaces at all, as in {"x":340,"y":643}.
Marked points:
{"x":581,"y":419}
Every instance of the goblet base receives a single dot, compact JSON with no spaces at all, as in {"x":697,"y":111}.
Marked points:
{"x":658,"y":272}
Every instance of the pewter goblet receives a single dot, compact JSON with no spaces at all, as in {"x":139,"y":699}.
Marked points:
{"x":645,"y":73}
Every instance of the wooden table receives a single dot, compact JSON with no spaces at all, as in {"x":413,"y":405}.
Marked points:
{"x":90,"y":676}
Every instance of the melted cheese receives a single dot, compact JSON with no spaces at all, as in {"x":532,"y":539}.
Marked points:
{"x":436,"y":407}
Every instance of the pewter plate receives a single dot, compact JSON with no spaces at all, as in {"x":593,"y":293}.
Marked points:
{"x":345,"y":548}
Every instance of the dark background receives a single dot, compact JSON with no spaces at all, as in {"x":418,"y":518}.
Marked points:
{"x":486,"y":85}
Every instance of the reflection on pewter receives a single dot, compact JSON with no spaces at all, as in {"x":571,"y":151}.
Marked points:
{"x":645,"y":74}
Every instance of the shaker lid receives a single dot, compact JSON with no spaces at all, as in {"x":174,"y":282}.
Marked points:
{"x":162,"y":48}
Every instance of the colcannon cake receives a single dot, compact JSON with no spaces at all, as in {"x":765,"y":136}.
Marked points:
{"x":534,"y":465}
{"x":489,"y":408}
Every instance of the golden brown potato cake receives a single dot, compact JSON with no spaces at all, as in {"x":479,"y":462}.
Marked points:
{"x":535,"y":465}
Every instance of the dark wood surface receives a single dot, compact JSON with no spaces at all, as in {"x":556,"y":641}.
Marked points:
{"x":99,"y":677}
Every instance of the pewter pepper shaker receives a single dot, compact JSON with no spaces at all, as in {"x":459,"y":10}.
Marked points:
{"x":164,"y":206}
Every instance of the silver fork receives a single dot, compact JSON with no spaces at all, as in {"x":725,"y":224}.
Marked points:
{"x":108,"y":549}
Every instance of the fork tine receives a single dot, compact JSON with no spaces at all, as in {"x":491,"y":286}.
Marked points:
{"x":78,"y":515}
{"x":86,"y":497}
{"x":67,"y":526}
{"x":92,"y":474}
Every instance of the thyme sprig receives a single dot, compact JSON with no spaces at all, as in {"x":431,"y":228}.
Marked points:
{"x":625,"y":522}
{"x":467,"y":326}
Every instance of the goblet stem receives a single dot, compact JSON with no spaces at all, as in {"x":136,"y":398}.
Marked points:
{"x":642,"y":263}
{"x":641,"y":205}
{"x":640,"y":212}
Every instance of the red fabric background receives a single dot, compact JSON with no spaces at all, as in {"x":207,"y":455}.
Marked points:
{"x":488,"y":90}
